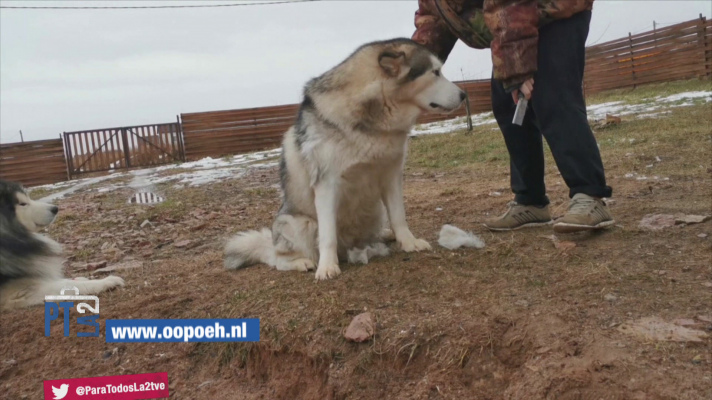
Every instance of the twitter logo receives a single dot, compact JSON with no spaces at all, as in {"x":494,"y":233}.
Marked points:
{"x":61,"y":392}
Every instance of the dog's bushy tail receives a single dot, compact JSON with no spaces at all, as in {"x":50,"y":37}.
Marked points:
{"x":248,"y":248}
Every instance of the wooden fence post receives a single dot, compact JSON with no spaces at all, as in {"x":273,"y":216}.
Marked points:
{"x":68,"y":154}
{"x":125,"y":140}
{"x":469,"y":114}
{"x":702,"y":40}
{"x":179,"y":134}
{"x":708,"y":54}
{"x":632,"y":60}
{"x":66,"y":160}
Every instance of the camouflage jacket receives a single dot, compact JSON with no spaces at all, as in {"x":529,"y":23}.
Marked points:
{"x":509,"y":27}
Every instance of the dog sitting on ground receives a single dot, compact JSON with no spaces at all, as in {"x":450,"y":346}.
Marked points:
{"x":31,"y":264}
{"x":341,"y":169}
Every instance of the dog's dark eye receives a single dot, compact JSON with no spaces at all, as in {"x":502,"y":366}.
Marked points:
{"x":23,"y":204}
{"x":436,"y":72}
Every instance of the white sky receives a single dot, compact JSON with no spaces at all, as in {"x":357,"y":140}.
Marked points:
{"x":68,"y":70}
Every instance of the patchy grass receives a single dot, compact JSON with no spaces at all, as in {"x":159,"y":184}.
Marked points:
{"x":171,"y":208}
{"x":459,"y":149}
{"x":261,"y":192}
{"x":40,"y":192}
{"x":668,"y":146}
{"x":174,"y":171}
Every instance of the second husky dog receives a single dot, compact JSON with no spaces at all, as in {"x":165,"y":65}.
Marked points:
{"x":342,"y":161}
{"x":30,"y":263}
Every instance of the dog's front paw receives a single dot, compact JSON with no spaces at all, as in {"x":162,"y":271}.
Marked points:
{"x":414,"y":244}
{"x":327,"y":271}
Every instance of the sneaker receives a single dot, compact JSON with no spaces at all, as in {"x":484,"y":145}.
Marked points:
{"x":585,"y":213}
{"x":519,"y":216}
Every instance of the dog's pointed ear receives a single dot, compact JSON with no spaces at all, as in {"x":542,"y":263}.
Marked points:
{"x":392,"y":62}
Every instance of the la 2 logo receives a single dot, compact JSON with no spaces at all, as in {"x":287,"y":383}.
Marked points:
{"x":54,"y":303}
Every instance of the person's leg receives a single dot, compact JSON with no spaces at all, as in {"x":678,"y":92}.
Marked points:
{"x":560,"y":110}
{"x":525,"y":147}
{"x":526,"y":153}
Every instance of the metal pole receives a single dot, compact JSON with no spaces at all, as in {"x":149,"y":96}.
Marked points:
{"x":181,"y":137}
{"x":655,"y":34}
{"x":469,"y":114}
{"x":22,"y":139}
{"x":632,"y":59}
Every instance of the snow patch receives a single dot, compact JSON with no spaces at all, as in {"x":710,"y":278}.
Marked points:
{"x":452,"y":125}
{"x":648,"y":106}
{"x":686,"y":95}
{"x":78,"y":185}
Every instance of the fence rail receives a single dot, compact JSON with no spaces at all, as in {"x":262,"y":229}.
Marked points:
{"x":675,"y":52}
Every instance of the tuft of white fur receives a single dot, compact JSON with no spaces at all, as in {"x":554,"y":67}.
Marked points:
{"x":452,"y":237}
{"x":362,"y":256}
{"x":251,"y":247}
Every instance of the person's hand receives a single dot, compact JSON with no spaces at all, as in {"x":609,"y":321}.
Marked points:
{"x":526,"y":88}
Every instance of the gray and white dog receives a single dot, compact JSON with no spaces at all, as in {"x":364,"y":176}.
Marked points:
{"x":342,"y":161}
{"x":30,"y":263}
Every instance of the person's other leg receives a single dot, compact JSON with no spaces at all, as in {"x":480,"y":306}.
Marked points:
{"x":526,"y":153}
{"x":525,"y":147}
{"x":560,"y":109}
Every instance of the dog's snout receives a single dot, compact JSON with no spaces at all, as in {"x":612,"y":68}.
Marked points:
{"x":463,"y":96}
{"x":54,"y":210}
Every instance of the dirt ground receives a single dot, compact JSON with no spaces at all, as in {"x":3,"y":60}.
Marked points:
{"x":522,"y":318}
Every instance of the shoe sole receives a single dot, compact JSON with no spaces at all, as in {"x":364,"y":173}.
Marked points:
{"x":563,"y":227}
{"x":530,"y":225}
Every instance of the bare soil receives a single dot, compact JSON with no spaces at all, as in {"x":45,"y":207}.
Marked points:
{"x":519,"y":319}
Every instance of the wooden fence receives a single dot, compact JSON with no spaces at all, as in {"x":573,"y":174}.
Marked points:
{"x":219,"y":133}
{"x":675,"y":52}
{"x":121,"y":148}
{"x":33,"y":163}
{"x":680,"y":51}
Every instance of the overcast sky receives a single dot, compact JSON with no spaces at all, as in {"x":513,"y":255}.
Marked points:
{"x":68,"y":70}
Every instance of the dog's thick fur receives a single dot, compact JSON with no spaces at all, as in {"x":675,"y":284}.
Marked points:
{"x":31,"y":264}
{"x":342,"y":162}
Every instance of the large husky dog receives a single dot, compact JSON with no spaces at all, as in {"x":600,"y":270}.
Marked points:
{"x":31,"y":264}
{"x":342,"y":161}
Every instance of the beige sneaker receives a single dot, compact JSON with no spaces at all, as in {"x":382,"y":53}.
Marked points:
{"x":519,"y":216}
{"x":585,"y":213}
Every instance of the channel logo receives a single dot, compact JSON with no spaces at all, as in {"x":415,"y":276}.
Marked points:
{"x":118,"y":387}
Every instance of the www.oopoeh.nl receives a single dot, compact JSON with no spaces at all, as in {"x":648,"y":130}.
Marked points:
{"x":183,"y":330}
